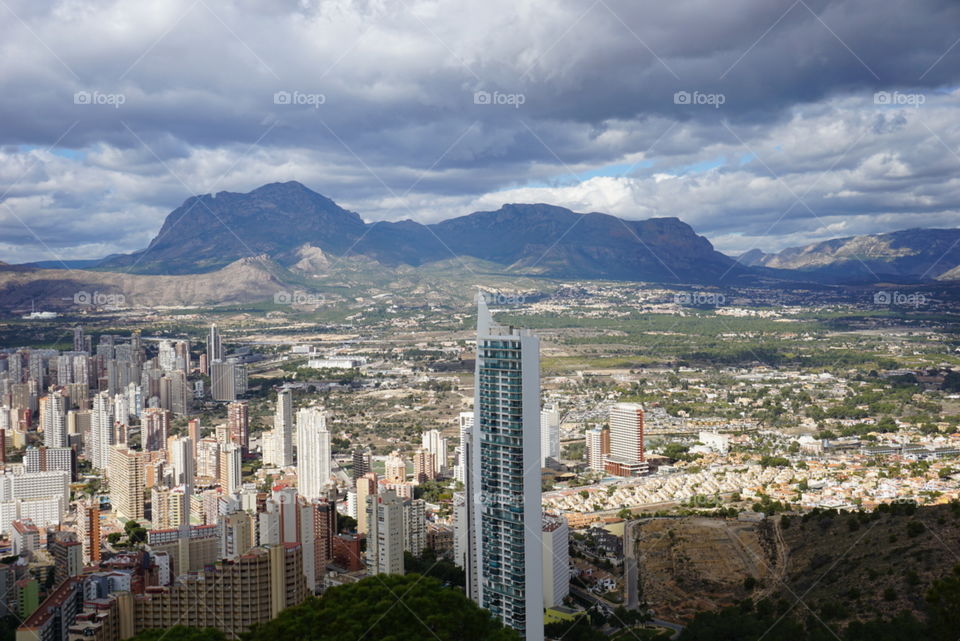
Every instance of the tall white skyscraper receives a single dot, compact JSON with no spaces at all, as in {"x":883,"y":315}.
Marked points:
{"x":504,"y":486}
{"x":313,"y":452}
{"x":53,"y":413}
{"x":626,"y":456}
{"x":101,"y":430}
{"x":434,"y":443}
{"x":182,"y":461}
{"x":279,"y":452}
{"x":465,"y":422}
{"x":550,"y":433}
{"x":385,"y":533}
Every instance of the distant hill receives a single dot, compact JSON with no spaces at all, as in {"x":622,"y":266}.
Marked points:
{"x":282,"y":220}
{"x":911,"y":255}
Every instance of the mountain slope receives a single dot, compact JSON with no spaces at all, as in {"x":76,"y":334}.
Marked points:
{"x":245,"y":280}
{"x":908,"y":255}
{"x":279,"y":219}
{"x":207,"y":232}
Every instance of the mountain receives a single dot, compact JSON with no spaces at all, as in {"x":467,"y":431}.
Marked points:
{"x":243,"y":281}
{"x":207,"y":232}
{"x":291,"y":224}
{"x":911,"y":255}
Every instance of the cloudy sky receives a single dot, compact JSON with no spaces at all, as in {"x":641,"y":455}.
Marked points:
{"x":762,"y":123}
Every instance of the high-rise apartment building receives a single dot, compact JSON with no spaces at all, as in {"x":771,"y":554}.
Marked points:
{"x":228,"y":380}
{"x":101,"y":430}
{"x":504,"y":483}
{"x":278,"y":444}
{"x":155,"y":427}
{"x":313,"y":452}
{"x":598,"y":447}
{"x":434,"y":442}
{"x":53,"y":418}
{"x":465,"y":423}
{"x":88,"y":530}
{"x":556,"y":560}
{"x":550,"y":433}
{"x":238,"y":423}
{"x":231,"y":468}
{"x":424,"y":466}
{"x":361,"y":463}
{"x":385,"y":544}
{"x":626,"y":456}
{"x":395,"y":468}
{"x":126,"y":476}
{"x":214,"y":345}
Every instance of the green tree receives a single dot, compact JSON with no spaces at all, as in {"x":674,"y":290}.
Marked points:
{"x":400,"y":608}
{"x":943,"y":601}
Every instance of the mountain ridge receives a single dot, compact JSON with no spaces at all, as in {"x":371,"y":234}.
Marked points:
{"x":278,"y":219}
{"x":914,"y":254}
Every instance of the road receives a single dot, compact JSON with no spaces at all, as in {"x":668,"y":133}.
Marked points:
{"x":630,"y":574}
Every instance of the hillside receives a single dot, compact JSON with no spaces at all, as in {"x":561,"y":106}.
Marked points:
{"x":909,"y":255}
{"x":244,"y":280}
{"x":286,"y":220}
{"x":847,"y":566}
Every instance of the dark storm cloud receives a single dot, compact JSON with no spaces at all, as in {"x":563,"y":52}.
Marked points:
{"x":428,"y":109}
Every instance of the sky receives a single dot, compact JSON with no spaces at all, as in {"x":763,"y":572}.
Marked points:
{"x":761,"y":123}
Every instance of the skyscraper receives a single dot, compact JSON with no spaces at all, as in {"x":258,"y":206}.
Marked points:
{"x":505,"y":475}
{"x":101,"y":430}
{"x":182,"y":461}
{"x":385,"y":544}
{"x":313,"y":452}
{"x":626,"y":456}
{"x":434,"y":442}
{"x":53,"y":417}
{"x":127,"y":481}
{"x":465,"y":422}
{"x":361,"y":463}
{"x":238,"y":423}
{"x":156,"y":426}
{"x":214,"y":346}
{"x":230,"y":468}
{"x":556,"y":560}
{"x":279,"y":450}
{"x":550,"y":433}
{"x":227,"y":380}
{"x":598,"y":447}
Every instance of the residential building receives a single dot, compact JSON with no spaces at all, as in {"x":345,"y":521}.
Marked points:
{"x":505,"y":471}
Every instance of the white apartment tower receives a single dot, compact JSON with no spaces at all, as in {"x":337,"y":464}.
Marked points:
{"x":504,"y":486}
{"x":279,"y":450}
{"x":556,"y":560}
{"x":385,"y":544}
{"x":313,"y":452}
{"x":53,"y":416}
{"x":434,"y":443}
{"x":101,"y":430}
{"x":626,"y":456}
{"x":550,"y":433}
